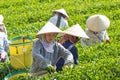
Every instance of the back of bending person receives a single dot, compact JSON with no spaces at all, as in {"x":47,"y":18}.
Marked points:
{"x":97,"y":26}
{"x":60,"y":18}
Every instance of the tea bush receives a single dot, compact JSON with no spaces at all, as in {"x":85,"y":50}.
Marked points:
{"x":100,"y":62}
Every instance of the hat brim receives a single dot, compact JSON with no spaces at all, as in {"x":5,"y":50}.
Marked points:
{"x":49,"y":28}
{"x":64,"y":33}
{"x":62,"y":11}
{"x":39,"y":35}
{"x":75,"y":30}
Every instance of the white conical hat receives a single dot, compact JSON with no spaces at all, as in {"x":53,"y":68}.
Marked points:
{"x":77,"y":31}
{"x":62,"y":11}
{"x":1,"y":19}
{"x":97,"y":23}
{"x":49,"y":28}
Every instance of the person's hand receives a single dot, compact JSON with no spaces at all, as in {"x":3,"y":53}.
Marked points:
{"x":2,"y":57}
{"x":108,"y":41}
{"x":62,"y":41}
{"x":51,"y":69}
{"x":66,"y":66}
{"x":69,"y":66}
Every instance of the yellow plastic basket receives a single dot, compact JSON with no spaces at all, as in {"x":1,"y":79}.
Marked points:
{"x":21,"y":52}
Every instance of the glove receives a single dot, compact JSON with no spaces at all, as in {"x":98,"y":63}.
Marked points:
{"x":51,"y":69}
{"x":3,"y":56}
{"x":108,"y":41}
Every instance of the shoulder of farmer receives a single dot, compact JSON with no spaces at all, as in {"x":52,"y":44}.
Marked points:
{"x":37,"y":44}
{"x":53,"y":18}
{"x":59,"y":45}
{"x":63,"y":50}
{"x":74,"y":49}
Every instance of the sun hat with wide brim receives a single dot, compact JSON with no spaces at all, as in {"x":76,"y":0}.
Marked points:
{"x":75,"y":30}
{"x":97,"y":23}
{"x":48,"y":28}
{"x":62,"y":11}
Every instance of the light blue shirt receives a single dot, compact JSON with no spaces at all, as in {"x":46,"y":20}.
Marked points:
{"x":63,"y":21}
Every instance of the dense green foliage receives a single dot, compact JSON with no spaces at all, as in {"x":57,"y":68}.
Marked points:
{"x":100,"y":62}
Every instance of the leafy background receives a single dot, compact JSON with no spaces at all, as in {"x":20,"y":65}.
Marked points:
{"x":100,"y":62}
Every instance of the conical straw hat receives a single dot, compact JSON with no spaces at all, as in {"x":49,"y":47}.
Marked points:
{"x":62,"y":11}
{"x":77,"y":31}
{"x":97,"y":23}
{"x":49,"y":28}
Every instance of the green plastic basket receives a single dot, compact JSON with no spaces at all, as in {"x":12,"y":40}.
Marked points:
{"x":17,"y":74}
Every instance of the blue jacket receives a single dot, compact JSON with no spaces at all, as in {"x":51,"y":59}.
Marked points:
{"x":73,"y":50}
